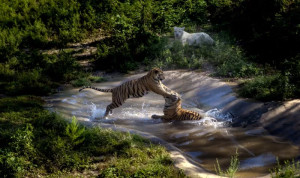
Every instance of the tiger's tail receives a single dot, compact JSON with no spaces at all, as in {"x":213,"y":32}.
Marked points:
{"x":94,"y":88}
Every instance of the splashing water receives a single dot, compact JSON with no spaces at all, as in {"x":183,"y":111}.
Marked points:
{"x":96,"y":112}
{"x":214,"y":118}
{"x":133,"y":113}
{"x":217,"y":114}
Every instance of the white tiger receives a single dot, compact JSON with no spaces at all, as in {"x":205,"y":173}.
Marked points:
{"x":197,"y":39}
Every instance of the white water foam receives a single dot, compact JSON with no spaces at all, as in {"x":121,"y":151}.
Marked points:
{"x":214,"y":118}
{"x":96,"y":112}
{"x":218,"y":115}
{"x":133,"y":112}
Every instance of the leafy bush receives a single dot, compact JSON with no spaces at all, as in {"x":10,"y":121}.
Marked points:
{"x":61,"y":67}
{"x":81,"y":82}
{"x":22,"y":142}
{"x":96,"y":79}
{"x":273,"y":87}
{"x":10,"y":39}
{"x":30,"y":82}
{"x":74,"y":132}
{"x":86,"y":80}
{"x":229,"y":60}
{"x":12,"y":164}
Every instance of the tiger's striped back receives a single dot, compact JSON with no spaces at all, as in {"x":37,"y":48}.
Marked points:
{"x":184,"y":114}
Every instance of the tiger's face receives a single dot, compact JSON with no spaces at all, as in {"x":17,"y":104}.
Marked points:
{"x":157,"y":74}
{"x":172,"y":102}
{"x":178,"y":32}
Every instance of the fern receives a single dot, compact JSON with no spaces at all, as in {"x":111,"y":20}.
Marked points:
{"x":75,"y":132}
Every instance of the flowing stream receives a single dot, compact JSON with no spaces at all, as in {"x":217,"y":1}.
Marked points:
{"x":203,"y":141}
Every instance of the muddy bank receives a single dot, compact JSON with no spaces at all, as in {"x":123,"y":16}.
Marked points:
{"x":279,"y":118}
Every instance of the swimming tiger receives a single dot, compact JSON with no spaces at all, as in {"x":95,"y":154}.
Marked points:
{"x":173,"y":111}
{"x":136,"y":88}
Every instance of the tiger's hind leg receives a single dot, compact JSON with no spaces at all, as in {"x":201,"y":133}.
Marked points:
{"x":117,"y":101}
{"x":109,"y":109}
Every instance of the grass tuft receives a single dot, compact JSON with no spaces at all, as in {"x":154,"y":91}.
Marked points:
{"x":289,"y":169}
{"x":232,"y":169}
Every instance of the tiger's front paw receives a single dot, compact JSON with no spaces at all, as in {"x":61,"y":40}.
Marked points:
{"x":175,"y":97}
{"x":156,"y":116}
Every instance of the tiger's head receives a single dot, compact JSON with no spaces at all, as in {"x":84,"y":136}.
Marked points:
{"x":173,"y":102}
{"x":157,"y":74}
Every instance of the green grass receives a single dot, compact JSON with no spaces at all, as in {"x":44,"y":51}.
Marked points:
{"x":289,"y":169}
{"x":35,"y":142}
{"x":87,"y":80}
{"x":232,"y":168}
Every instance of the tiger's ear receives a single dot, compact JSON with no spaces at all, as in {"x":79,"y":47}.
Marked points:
{"x":156,"y":71}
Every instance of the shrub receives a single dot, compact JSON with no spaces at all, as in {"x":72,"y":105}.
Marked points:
{"x":16,"y":160}
{"x":273,"y":87}
{"x":30,"y":82}
{"x":10,"y":39}
{"x":74,"y":132}
{"x":96,"y":79}
{"x":230,"y":61}
{"x":81,"y":82}
{"x":175,"y":55}
{"x":6,"y":73}
{"x":61,"y":67}
{"x":86,"y":80}
{"x":12,"y":164}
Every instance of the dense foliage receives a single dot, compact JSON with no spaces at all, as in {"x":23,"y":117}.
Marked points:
{"x":266,"y":32}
